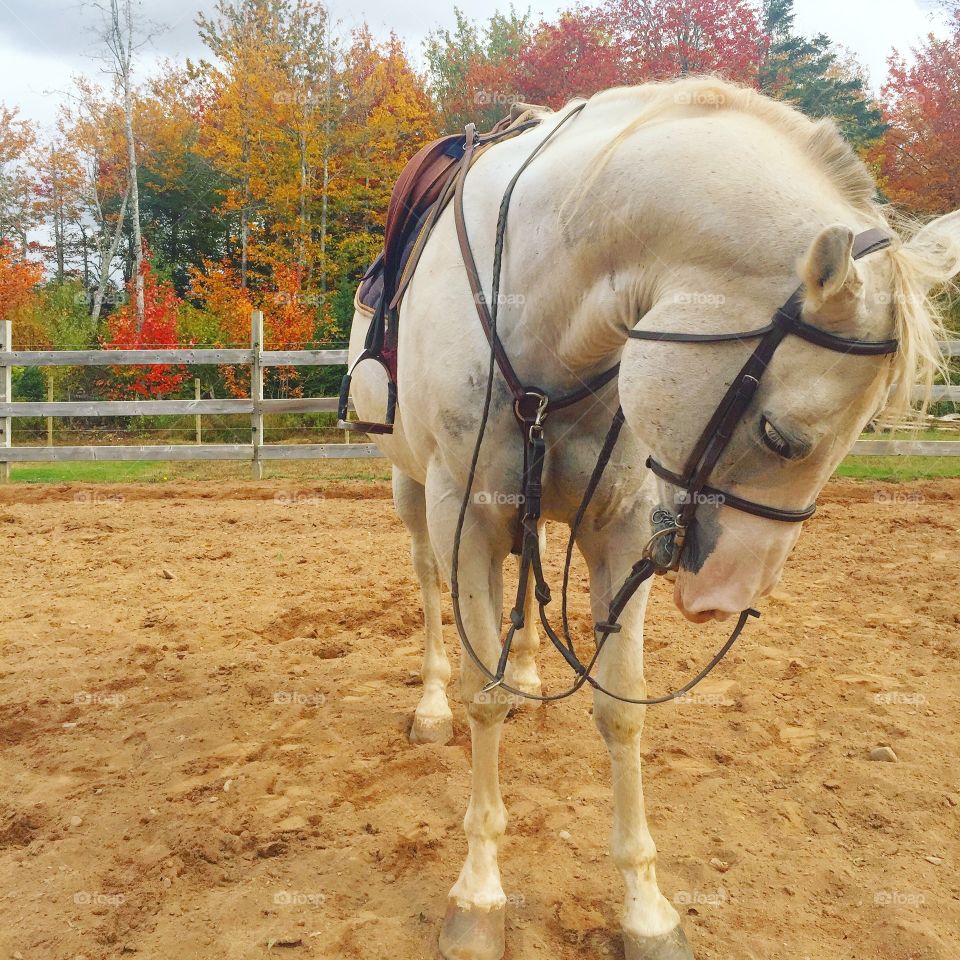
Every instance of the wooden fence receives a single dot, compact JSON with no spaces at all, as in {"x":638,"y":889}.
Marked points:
{"x":257,"y":359}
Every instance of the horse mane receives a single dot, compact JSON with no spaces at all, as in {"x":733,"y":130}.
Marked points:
{"x":922,"y":265}
{"x":919,"y":265}
{"x":820,"y":140}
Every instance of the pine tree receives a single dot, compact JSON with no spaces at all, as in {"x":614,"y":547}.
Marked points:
{"x":810,"y":73}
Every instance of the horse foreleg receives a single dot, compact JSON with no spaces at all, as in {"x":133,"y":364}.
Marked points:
{"x":474,"y":925}
{"x":651,"y":926}
{"x":522,"y":670}
{"x":432,"y":721}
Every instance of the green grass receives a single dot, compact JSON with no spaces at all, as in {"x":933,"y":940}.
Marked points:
{"x":307,"y":471}
{"x":87,"y":472}
{"x":896,"y":469}
{"x":899,"y":469}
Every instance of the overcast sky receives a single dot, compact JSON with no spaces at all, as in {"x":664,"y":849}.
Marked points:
{"x":44,"y":42}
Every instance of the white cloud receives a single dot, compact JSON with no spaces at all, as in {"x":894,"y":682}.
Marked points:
{"x":871,"y":28}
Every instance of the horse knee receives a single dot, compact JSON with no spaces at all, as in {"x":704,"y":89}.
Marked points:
{"x":618,"y":723}
{"x":487,"y":707}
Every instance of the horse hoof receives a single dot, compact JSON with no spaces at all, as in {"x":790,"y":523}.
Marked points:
{"x":670,"y":946}
{"x":431,"y":730}
{"x":472,"y":934}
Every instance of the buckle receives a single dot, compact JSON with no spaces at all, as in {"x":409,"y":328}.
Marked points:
{"x":531,"y":409}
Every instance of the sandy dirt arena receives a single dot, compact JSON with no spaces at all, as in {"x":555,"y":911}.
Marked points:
{"x":205,"y":691}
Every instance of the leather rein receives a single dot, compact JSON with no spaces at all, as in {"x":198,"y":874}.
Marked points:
{"x":532,"y":404}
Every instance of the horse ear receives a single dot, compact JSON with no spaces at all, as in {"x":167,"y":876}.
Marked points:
{"x":828,"y":265}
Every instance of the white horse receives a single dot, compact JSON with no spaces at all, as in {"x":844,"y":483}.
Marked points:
{"x":694,"y":206}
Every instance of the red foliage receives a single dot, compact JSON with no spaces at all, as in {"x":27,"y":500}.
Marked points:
{"x":158,"y":331}
{"x":919,"y":159}
{"x":573,"y":57}
{"x":660,"y":39}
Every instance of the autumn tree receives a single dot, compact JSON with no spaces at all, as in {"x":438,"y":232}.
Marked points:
{"x":473,"y":70}
{"x":660,"y":39}
{"x":122,"y":26}
{"x":263,"y":121}
{"x":576,"y":56}
{"x":181,"y":190}
{"x":387,"y":117}
{"x":156,"y":330}
{"x":17,"y":214}
{"x":18,"y":278}
{"x":919,"y":160}
{"x":59,"y":194}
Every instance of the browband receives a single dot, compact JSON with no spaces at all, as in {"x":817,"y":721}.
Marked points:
{"x":789,"y":315}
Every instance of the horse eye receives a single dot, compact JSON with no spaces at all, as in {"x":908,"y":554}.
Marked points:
{"x":774,"y":440}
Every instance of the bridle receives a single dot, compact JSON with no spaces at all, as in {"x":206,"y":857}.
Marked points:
{"x":664,"y":551}
{"x":700,"y":464}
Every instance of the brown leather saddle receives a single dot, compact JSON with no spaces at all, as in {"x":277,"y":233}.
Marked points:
{"x":421,"y":193}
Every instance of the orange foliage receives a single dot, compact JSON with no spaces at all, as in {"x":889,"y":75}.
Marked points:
{"x":18,"y":279}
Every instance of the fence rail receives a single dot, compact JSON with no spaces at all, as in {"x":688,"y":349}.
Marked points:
{"x":256,"y":407}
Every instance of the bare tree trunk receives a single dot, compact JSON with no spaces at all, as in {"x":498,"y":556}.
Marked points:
{"x":304,"y":258}
{"x":121,"y":44}
{"x":244,"y":234}
{"x":325,"y":196}
{"x":107,"y":255}
{"x":59,"y":230}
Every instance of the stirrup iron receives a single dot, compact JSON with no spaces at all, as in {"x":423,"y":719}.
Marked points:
{"x":366,"y":426}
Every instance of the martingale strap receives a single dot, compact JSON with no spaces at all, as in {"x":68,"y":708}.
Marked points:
{"x":529,"y":401}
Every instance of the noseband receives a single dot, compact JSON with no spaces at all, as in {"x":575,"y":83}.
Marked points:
{"x":706,"y":453}
{"x":532,"y":405}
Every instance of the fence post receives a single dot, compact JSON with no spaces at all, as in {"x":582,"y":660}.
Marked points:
{"x":256,"y":391}
{"x":50,"y":400}
{"x":196,"y":396}
{"x":6,"y":396}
